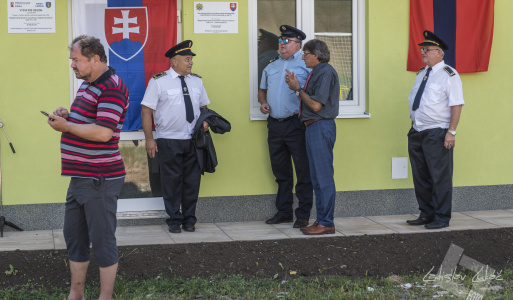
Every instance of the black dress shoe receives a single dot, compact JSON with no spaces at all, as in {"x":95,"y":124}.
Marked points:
{"x":278,"y":219}
{"x":174,"y":228}
{"x":419,"y":221}
{"x":436,"y":225}
{"x":189,"y":227}
{"x":300,"y":222}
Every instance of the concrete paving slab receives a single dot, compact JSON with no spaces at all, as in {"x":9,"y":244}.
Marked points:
{"x":205,"y":233}
{"x":365,"y":230}
{"x":360,"y":226}
{"x":58,"y":239}
{"x":26,"y":240}
{"x":251,"y":231}
{"x":500,"y":218}
{"x":353,"y":222}
{"x":395,"y":219}
{"x":142,"y":235}
{"x":398,"y":223}
{"x":246,"y":231}
{"x":460,"y":221}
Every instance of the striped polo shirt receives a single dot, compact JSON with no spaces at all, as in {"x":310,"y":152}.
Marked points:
{"x":103,"y":102}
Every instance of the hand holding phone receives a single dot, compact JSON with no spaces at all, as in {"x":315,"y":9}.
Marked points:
{"x":46,"y":114}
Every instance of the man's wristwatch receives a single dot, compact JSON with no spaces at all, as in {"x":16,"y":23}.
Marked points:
{"x":298,"y":91}
{"x":453,"y":132}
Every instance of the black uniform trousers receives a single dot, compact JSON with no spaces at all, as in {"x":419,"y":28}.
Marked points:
{"x":432,"y":169}
{"x":286,"y":139}
{"x":180,"y":175}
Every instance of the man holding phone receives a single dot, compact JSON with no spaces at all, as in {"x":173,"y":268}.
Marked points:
{"x":90,"y":156}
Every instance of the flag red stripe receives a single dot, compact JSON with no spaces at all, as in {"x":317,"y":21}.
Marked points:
{"x":421,"y":18}
{"x":474,"y":34}
{"x":162,"y":36}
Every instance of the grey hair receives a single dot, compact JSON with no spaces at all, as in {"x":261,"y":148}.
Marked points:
{"x":319,"y":48}
{"x":442,"y":51}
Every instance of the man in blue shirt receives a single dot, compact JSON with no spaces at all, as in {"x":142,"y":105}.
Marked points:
{"x":286,"y":134}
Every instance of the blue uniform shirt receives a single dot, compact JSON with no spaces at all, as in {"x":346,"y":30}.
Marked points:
{"x":282,"y":100}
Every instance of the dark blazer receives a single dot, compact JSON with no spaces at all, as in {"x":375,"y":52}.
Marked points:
{"x":205,"y":151}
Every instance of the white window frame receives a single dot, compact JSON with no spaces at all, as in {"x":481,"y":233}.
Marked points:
{"x":130,"y":204}
{"x":305,"y":19}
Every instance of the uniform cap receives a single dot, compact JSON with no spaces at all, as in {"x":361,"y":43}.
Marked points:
{"x":430,"y":39}
{"x":289,"y":31}
{"x":183,"y":48}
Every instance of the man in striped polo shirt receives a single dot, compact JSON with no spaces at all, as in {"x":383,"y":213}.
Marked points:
{"x":90,"y":156}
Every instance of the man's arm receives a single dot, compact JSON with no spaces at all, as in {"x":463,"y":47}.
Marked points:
{"x":450,"y":140}
{"x":91,"y":132}
{"x":262,"y":99}
{"x":293,"y":82}
{"x":151,"y":145}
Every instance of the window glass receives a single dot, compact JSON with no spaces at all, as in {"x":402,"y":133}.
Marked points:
{"x":139,"y":181}
{"x":333,"y":25}
{"x":271,"y":15}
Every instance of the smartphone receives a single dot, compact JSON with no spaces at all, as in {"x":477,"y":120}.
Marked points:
{"x":46,"y":114}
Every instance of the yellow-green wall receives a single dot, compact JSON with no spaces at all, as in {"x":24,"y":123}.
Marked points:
{"x":35,"y":76}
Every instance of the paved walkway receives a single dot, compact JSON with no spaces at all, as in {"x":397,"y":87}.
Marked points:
{"x":251,"y":231}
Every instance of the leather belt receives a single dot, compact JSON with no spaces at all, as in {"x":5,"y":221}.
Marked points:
{"x":284,"y":119}
{"x":308,"y":122}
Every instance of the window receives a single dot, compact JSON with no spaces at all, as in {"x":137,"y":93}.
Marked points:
{"x":339,"y":23}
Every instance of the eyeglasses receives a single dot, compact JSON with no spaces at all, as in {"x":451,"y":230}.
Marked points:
{"x":427,"y":49}
{"x":306,"y":53}
{"x":286,"y":41}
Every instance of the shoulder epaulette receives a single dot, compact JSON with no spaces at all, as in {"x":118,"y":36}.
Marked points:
{"x":277,"y":56}
{"x":449,"y":71}
{"x":157,"y":76}
{"x":194,"y":74}
{"x":420,"y":70}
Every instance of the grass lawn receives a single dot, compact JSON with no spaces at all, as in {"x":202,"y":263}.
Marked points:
{"x":236,"y":287}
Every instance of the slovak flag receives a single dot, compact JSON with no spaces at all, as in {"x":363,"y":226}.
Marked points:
{"x":135,"y":34}
{"x":465,"y":25}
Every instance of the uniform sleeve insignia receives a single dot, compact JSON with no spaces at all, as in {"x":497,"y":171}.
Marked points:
{"x":194,"y":74}
{"x":449,"y":71}
{"x":277,"y":56}
{"x":157,"y":76}
{"x":420,"y":70}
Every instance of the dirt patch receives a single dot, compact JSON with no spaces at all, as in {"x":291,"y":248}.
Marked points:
{"x":356,"y":256}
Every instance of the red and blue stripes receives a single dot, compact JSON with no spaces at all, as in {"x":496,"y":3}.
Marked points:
{"x":137,"y":71}
{"x":465,"y":25}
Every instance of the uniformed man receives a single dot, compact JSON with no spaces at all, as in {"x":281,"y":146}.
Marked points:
{"x":286,"y":134}
{"x":436,"y":100}
{"x":174,"y":98}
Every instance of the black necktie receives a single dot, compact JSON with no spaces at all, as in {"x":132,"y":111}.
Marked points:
{"x":189,"y":114}
{"x":416,"y":103}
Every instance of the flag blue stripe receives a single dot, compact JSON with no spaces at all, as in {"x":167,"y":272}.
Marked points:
{"x":444,"y":18}
{"x":132,"y":71}
{"x":127,"y":3}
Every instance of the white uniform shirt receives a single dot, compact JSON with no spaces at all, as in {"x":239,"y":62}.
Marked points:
{"x":441,"y":92}
{"x":165,"y":96}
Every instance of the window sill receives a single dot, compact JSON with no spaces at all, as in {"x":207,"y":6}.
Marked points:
{"x":365,"y":115}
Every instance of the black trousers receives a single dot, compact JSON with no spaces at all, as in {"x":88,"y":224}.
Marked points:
{"x":432,"y":169}
{"x":286,"y":139}
{"x":180,"y":175}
